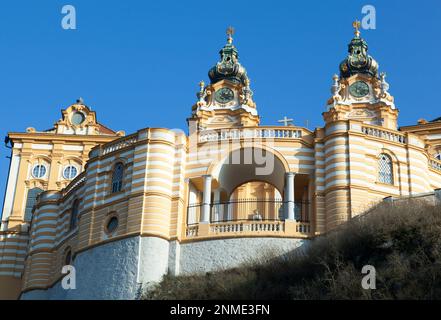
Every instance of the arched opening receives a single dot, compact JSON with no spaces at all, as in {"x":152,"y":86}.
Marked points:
{"x":251,"y":164}
{"x":249,"y":184}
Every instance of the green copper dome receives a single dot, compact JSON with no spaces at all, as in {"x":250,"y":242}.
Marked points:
{"x":358,"y":61}
{"x":228,"y":68}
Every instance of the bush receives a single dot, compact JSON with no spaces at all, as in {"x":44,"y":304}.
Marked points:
{"x":402,"y":241}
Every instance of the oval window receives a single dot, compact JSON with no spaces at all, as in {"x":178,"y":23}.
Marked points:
{"x":78,"y":118}
{"x":39,"y":171}
{"x":70,"y":172}
{"x":112,"y":225}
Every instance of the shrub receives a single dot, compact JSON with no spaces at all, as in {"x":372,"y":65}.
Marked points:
{"x":401,"y":240}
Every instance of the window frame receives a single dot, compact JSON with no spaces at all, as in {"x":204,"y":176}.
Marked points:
{"x":112,"y":216}
{"x":74,"y":212}
{"x":67,"y":167}
{"x":383,"y":177}
{"x":117,"y":185}
{"x":27,"y":207}
{"x":35,"y":166}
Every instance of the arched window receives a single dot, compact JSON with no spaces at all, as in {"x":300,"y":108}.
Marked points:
{"x":117,"y":177}
{"x":31,"y":201}
{"x":74,"y":215}
{"x":438,"y":156}
{"x":385,"y":169}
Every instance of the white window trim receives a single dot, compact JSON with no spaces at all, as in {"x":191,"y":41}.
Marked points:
{"x":45,"y":173}
{"x":67,"y":166}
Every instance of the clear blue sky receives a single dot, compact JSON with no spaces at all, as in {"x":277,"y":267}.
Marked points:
{"x":137,"y":63}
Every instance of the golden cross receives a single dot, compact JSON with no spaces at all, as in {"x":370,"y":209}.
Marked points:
{"x":230,"y":32}
{"x":356,"y":24}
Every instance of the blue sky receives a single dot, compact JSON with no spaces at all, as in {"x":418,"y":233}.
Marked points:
{"x":137,"y":63}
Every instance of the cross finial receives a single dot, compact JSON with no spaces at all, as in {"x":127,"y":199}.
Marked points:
{"x":230,"y":32}
{"x":286,"y":121}
{"x":356,"y":24}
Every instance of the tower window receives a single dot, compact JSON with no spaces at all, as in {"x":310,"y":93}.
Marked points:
{"x":385,"y":169}
{"x":438,"y":156}
{"x":31,"y":200}
{"x":70,"y":172}
{"x":112,"y":225}
{"x":39,"y":171}
{"x":74,"y":215}
{"x":68,"y":257}
{"x":117,"y":177}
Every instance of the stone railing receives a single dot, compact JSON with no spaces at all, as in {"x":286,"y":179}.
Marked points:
{"x":192,"y":231}
{"x":80,"y":179}
{"x":435,"y":164}
{"x":119,"y":144}
{"x":276,"y":228}
{"x":250,"y":133}
{"x":246,"y":226}
{"x":384,"y":134}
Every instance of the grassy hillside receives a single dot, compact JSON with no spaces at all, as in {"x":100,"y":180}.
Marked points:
{"x":402,"y":241}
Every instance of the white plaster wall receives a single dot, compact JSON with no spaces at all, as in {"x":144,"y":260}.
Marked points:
{"x":212,"y":255}
{"x":153,"y":260}
{"x":104,"y":272}
{"x":117,"y":269}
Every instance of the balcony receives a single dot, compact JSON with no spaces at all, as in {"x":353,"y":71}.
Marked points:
{"x":250,"y":133}
{"x":248,"y":217}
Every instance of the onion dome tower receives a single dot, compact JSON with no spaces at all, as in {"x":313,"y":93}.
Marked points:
{"x":227,"y":101}
{"x":360,"y":93}
{"x":358,"y":61}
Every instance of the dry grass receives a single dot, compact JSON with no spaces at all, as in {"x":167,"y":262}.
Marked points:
{"x":402,"y":241}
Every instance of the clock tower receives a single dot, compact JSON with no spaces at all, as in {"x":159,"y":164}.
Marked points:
{"x":228,"y":100}
{"x":360,"y":93}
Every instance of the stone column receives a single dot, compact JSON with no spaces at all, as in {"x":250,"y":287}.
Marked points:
{"x":216,"y":206}
{"x":206,"y":201}
{"x":289,"y":197}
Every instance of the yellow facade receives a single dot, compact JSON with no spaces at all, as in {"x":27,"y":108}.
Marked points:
{"x":61,"y":152}
{"x":229,"y":178}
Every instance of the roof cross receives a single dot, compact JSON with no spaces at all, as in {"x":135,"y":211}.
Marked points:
{"x":286,"y":121}
{"x":356,"y":24}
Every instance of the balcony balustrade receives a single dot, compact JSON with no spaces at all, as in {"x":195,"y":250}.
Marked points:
{"x":248,"y":217}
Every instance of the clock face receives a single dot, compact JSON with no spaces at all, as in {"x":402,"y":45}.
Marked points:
{"x":224,"y":95}
{"x":359,"y":89}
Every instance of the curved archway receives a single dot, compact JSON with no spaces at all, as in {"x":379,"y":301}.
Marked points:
{"x":251,"y":164}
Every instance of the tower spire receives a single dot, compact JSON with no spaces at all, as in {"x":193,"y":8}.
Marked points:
{"x":358,"y":60}
{"x":228,"y":68}
{"x":356,"y":24}
{"x":230,"y":32}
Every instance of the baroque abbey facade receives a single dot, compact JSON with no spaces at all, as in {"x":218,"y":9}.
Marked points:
{"x":126,"y":210}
